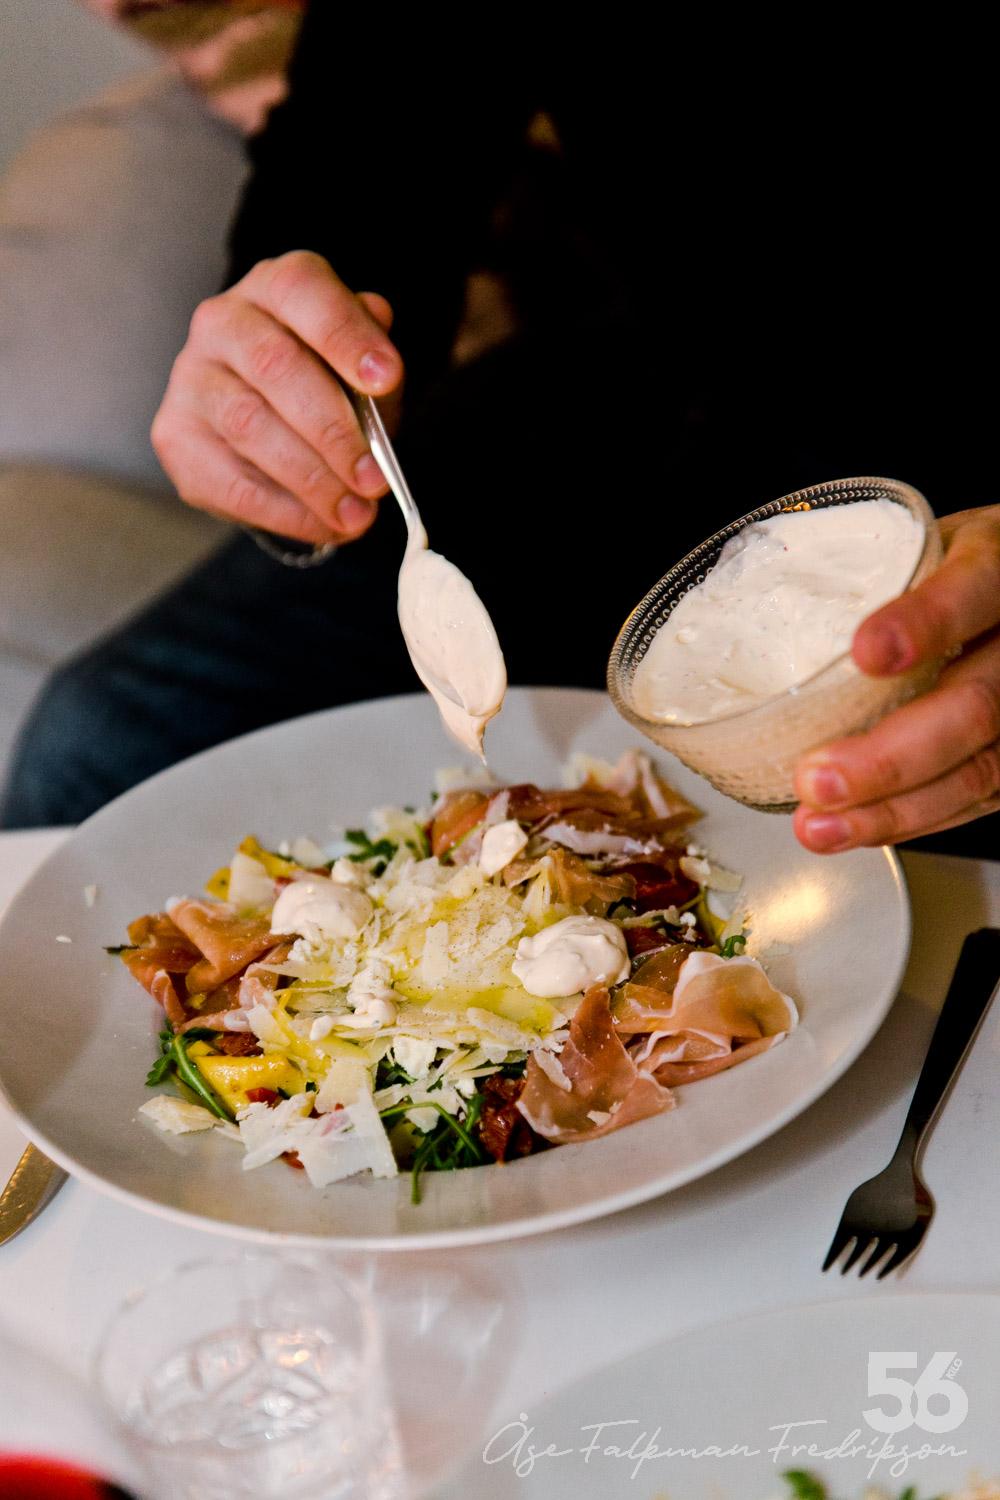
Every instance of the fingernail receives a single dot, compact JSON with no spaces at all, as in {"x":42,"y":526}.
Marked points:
{"x":375,"y":370}
{"x":825,"y":831}
{"x":824,"y":786}
{"x":367,"y":474}
{"x":353,"y":513}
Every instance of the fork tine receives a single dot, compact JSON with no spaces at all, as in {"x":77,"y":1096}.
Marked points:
{"x":841,"y":1239}
{"x":881,"y":1246}
{"x":903,"y":1251}
{"x":861,"y":1244}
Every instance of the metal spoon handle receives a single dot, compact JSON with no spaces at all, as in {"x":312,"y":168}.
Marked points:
{"x":384,"y":454}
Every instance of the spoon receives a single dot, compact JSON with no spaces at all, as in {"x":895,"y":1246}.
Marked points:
{"x":448,"y":632}
{"x":385,"y":456}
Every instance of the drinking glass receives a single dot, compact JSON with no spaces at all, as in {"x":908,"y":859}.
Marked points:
{"x":254,"y":1375}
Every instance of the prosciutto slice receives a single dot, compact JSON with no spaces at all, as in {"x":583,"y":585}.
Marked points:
{"x":228,"y":942}
{"x":674,"y":1074}
{"x":646,"y":1003}
{"x":160,"y":947}
{"x":165,"y":990}
{"x":606,"y":1089}
{"x":694,"y":1014}
{"x":455,"y":816}
{"x":729,"y":999}
{"x":532,"y":804}
{"x":593,"y":834}
{"x":636,"y":780}
{"x":576,"y":885}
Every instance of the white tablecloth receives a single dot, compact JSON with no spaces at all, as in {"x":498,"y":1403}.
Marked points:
{"x":750,"y":1237}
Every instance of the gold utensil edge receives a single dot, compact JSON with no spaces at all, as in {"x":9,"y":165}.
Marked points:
{"x":33,"y":1184}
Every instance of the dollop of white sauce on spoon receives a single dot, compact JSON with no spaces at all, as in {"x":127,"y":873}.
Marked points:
{"x":452,"y":644}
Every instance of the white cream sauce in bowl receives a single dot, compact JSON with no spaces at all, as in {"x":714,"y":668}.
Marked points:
{"x":738,"y":660}
{"x":781,"y":603}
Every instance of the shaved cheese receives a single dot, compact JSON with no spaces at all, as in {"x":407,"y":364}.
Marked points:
{"x":551,"y":1065}
{"x":414,"y":1056}
{"x":249,"y":883}
{"x":581,"y":768}
{"x":347,"y":1078}
{"x":711,"y":877}
{"x":347,"y":872}
{"x":501,"y":843}
{"x":330,"y":1147}
{"x":306,"y":851}
{"x":177,"y":1116}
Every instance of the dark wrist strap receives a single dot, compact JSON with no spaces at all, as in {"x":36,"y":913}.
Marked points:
{"x":289,"y":553}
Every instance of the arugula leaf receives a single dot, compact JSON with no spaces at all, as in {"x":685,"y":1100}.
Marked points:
{"x":730,"y":948}
{"x":164,"y":1064}
{"x":161,"y":1069}
{"x":803,"y":1486}
{"x":387,"y":1073}
{"x":445,"y":1148}
{"x":174,"y":1061}
{"x":187,"y":1072}
{"x":366,"y":848}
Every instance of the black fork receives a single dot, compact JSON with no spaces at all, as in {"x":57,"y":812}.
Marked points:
{"x":891,"y":1212}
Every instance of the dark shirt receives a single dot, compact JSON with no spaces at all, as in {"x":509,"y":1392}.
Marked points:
{"x":794,"y":235}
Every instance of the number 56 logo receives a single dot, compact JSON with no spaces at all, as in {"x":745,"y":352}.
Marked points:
{"x":914,"y":1398}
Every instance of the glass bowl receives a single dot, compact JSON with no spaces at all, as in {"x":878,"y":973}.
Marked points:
{"x":751,"y":754}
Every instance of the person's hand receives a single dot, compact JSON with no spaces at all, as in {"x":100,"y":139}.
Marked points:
{"x":254,"y":425}
{"x":935,"y":762}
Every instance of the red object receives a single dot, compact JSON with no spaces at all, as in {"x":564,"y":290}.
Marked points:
{"x":645,"y":939}
{"x":658,"y":885}
{"x":264,"y":1096}
{"x":503,"y":1130}
{"x":24,"y":1477}
{"x":292,"y":1158}
{"x":237,"y":1044}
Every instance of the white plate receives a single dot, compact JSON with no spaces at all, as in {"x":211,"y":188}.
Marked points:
{"x":79,"y":1033}
{"x":797,"y":1377}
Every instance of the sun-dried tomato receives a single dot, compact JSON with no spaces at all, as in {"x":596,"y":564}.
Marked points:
{"x":237,"y":1044}
{"x":270,"y":1097}
{"x":503,"y":1131}
{"x":659,"y":885}
{"x":644,"y":939}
